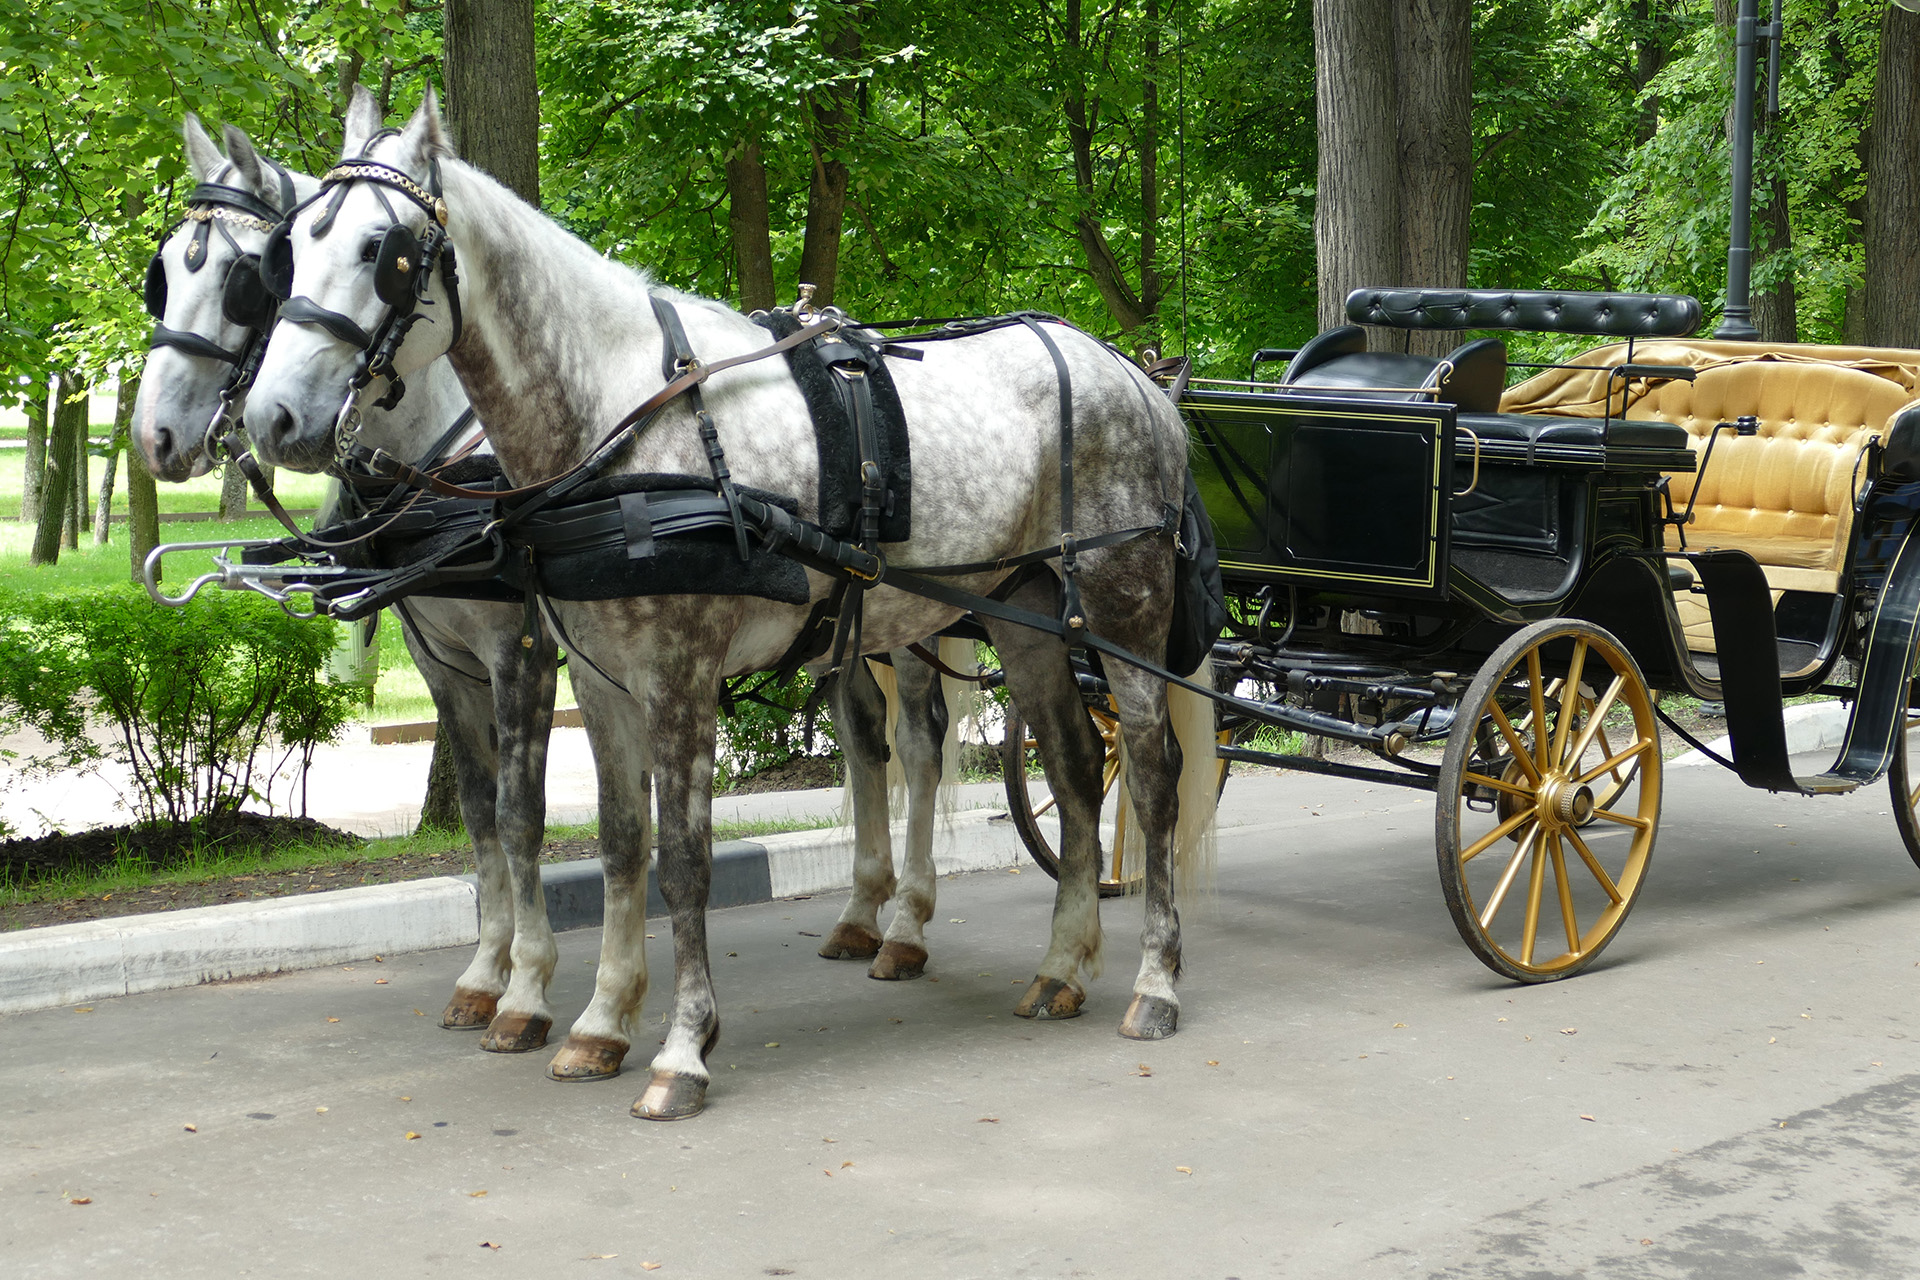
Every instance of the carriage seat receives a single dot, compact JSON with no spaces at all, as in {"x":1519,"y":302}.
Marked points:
{"x":1786,"y":495}
{"x":1546,"y":438}
{"x":1337,"y":362}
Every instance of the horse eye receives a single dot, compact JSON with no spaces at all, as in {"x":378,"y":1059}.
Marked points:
{"x":370,"y":251}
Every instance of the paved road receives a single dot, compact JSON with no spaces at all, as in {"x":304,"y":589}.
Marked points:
{"x":1351,"y":1094}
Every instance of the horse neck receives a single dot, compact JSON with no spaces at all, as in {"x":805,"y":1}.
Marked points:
{"x":557,"y":343}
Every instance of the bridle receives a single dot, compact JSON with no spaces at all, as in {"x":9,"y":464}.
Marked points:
{"x":244,"y":300}
{"x":403,"y":269}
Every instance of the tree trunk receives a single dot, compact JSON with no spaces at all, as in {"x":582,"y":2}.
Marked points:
{"x":1776,"y":309}
{"x":1893,"y":186}
{"x":1433,"y":49}
{"x":1150,"y":164}
{"x":143,"y":501}
{"x":1103,"y":265}
{"x":57,"y":492}
{"x":827,"y":184}
{"x":1649,"y":59}
{"x":750,"y":225}
{"x":493,"y":102}
{"x":35,"y":478}
{"x":103,"y":507}
{"x":1356,"y":216}
{"x":77,"y":422}
{"x":440,"y":811}
{"x":233,"y":493}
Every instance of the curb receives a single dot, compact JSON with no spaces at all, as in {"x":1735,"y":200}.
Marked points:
{"x":98,"y":959}
{"x":1811,"y":726}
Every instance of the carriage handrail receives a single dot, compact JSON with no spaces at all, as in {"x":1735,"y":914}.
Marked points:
{"x":1475,"y":482}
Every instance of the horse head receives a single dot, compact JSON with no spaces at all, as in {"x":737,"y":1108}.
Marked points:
{"x":210,"y":310}
{"x":363,"y":272}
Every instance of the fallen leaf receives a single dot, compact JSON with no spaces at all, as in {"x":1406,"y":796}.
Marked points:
{"x":1646,"y":1241}
{"x":83,"y":1008}
{"x":333,"y":1019}
{"x":1876,"y":1064}
{"x":829,"y":1139}
{"x":1807,"y":1016}
{"x":1398,"y":1025}
{"x":988,"y":1120}
{"x":379,"y":982}
{"x":846,"y":1164}
{"x":1181,"y":1168}
{"x":957,"y":920}
{"x":81,"y":1200}
{"x":805,"y":934}
{"x":1586,"y":1117}
{"x":1773,"y":1039}
{"x":194,"y":1128}
{"x":488,"y":1244}
{"x":476,"y":1194}
{"x":1499,"y":1019}
{"x":405,"y":1098}
{"x":828,"y":1172}
{"x":379,"y":959}
{"x":418,"y":1014}
{"x":1213,"y":1062}
{"x":653,"y":935}
{"x":411,"y":1135}
{"x":649,"y":1266}
{"x":733,"y":953}
{"x":773,"y":1044}
{"x":1569,"y":1031}
{"x":319,"y":1111}
{"x":595,"y":1257}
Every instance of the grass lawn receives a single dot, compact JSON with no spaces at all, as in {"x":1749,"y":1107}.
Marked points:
{"x":400,"y":697}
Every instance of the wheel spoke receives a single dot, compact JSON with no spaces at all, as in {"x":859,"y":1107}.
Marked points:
{"x":1612,"y":763}
{"x":1563,"y":723}
{"x":1519,"y":748}
{"x":1536,"y":881}
{"x":1566,"y":895}
{"x":1592,"y":728}
{"x":1593,"y":865}
{"x":1506,"y":880}
{"x":1624,"y":819}
{"x":1043,"y":806}
{"x":1479,"y":846}
{"x":1496,"y":784}
{"x":1536,"y":696}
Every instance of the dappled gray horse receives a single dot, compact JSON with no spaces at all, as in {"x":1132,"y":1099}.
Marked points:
{"x":494,"y":692}
{"x":555,"y":343}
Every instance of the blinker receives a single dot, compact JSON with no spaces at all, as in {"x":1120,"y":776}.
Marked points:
{"x":245,"y":301}
{"x":394,"y":277}
{"x":156,"y":290}
{"x":276,"y":263}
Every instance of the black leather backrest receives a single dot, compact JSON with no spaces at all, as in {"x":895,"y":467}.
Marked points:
{"x":1479,"y":376}
{"x":1345,"y":340}
{"x":1902,"y":459}
{"x":1615,"y":315}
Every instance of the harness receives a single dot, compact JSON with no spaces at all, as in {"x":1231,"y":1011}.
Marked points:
{"x":559,"y":514}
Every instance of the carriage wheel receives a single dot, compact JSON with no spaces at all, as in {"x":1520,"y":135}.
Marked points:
{"x":1906,"y":795}
{"x":1538,"y":789}
{"x":1029,"y":798}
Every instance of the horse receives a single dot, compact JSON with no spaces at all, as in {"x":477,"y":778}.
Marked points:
{"x":493,"y":692}
{"x":492,"y":678}
{"x":553,"y":343}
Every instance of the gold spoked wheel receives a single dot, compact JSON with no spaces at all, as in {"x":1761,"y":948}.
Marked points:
{"x":1548,"y":803}
{"x":1029,"y":799}
{"x":1906,"y":792}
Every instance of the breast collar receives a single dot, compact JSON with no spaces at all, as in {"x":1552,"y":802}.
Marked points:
{"x":402,"y":273}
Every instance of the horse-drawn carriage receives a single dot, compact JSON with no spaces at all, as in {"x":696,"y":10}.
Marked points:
{"x":1477,"y":590}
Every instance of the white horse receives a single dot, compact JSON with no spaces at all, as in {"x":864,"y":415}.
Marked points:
{"x":491,"y":679}
{"x":558,"y":343}
{"x":471,"y":653}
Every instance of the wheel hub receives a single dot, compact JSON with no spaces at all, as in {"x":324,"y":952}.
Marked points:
{"x":1565,"y":803}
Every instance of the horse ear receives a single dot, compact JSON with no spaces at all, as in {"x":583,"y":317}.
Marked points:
{"x":203,"y":158}
{"x":425,"y":137}
{"x":246,"y":162}
{"x":363,"y":121}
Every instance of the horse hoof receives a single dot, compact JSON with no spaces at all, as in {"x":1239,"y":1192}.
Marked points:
{"x":1150,"y":1018}
{"x":516,"y":1033}
{"x":898,"y":961}
{"x":586,"y":1058}
{"x":671,"y":1097}
{"x":850,"y":942}
{"x":1050,"y":998}
{"x":469,"y":1010}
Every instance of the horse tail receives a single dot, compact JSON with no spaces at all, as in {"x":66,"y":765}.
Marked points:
{"x":1194,"y":847}
{"x":963,"y":703}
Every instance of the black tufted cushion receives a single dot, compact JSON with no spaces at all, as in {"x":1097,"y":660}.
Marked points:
{"x":1618,"y":315}
{"x":1338,"y":363}
{"x":1540,"y":429}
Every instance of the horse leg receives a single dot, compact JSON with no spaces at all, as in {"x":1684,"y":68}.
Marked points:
{"x":683,"y":715}
{"x":922,"y":726}
{"x":1041,"y":681}
{"x":860,"y":718}
{"x":1153,"y":768}
{"x":523,"y":690}
{"x":617,"y":729}
{"x":465,"y":709}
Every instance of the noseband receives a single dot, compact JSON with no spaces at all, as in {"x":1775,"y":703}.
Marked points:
{"x":403,"y":270}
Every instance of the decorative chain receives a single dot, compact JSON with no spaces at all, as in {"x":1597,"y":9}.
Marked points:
{"x":391,"y":177}
{"x":221,"y":213}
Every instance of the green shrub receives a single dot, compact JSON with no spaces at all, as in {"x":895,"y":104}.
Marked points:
{"x":765,"y":723}
{"x":206,"y":704}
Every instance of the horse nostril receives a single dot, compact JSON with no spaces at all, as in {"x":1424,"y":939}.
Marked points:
{"x":162,"y":448}
{"x":281,"y":428}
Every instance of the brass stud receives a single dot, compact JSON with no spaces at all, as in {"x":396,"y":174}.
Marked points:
{"x":402,"y":265}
